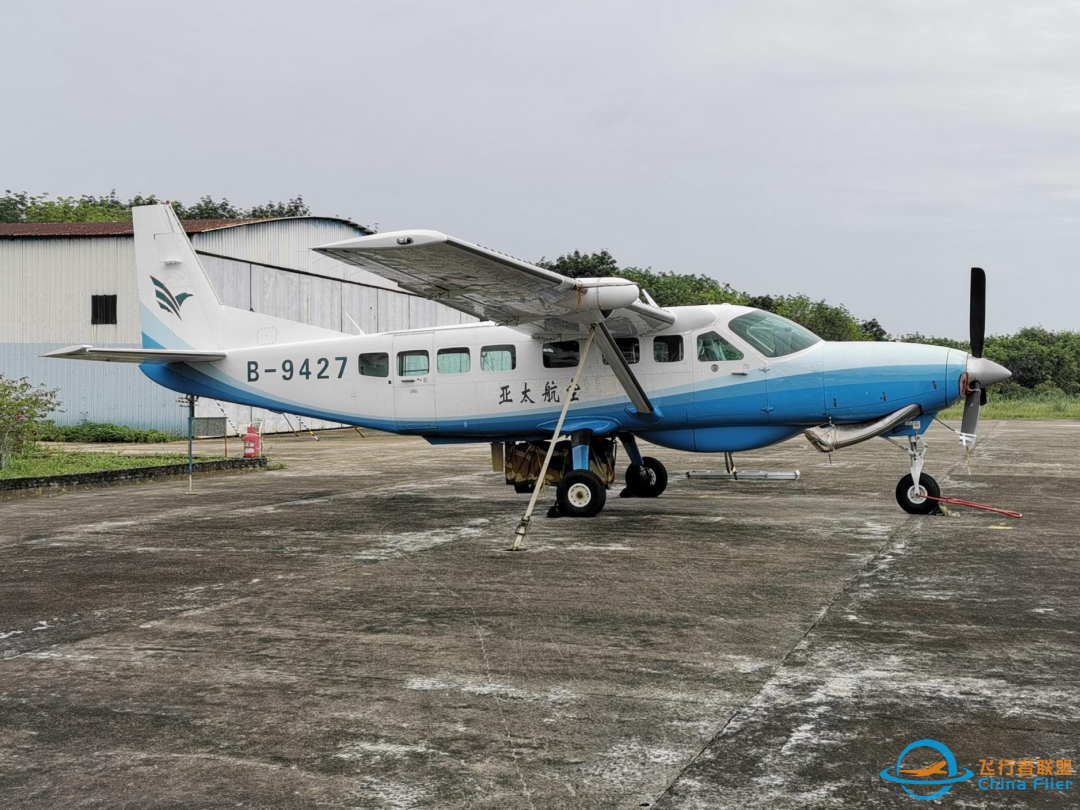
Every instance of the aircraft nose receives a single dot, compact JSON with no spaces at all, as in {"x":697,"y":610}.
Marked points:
{"x":986,"y":372}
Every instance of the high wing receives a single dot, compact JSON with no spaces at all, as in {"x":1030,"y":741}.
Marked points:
{"x":496,"y":287}
{"x":105,"y":355}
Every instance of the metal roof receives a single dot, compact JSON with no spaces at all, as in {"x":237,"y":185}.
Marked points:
{"x":12,"y":230}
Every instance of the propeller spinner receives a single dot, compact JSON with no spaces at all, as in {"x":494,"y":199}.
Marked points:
{"x":981,"y":373}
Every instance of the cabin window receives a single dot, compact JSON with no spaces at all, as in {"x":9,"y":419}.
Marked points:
{"x":667,"y":348}
{"x":102,"y":309}
{"x":772,"y":335}
{"x":630,"y":348}
{"x":561,"y":354}
{"x":498,"y":358}
{"x":374,"y":364}
{"x":712,"y":348}
{"x":452,"y":361}
{"x":413,"y":364}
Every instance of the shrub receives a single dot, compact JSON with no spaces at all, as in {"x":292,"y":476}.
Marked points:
{"x":103,"y":432}
{"x":23,"y":407}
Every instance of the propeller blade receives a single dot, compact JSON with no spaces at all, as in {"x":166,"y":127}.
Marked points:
{"x":978,"y":310}
{"x":969,"y":426}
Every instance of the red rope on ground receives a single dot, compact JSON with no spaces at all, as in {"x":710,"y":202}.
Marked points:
{"x":958,"y":502}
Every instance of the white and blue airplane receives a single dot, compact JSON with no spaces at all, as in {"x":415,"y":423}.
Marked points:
{"x":707,"y":379}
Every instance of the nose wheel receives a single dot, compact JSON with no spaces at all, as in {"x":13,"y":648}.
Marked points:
{"x":912,"y":499}
{"x":912,"y":490}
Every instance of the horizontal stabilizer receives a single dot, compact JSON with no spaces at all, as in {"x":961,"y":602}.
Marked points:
{"x":136,"y":355}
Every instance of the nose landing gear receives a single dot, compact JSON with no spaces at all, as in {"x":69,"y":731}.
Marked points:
{"x":912,"y":490}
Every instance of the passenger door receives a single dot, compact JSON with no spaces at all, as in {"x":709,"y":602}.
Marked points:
{"x":414,"y":389}
{"x":729,"y":384}
{"x":372,"y":389}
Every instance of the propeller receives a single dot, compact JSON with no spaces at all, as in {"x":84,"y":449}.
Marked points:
{"x":981,"y":373}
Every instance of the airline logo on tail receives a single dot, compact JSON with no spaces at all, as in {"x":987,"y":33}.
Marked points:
{"x":167,"y":301}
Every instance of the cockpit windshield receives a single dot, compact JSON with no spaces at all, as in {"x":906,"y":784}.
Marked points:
{"x":772,"y":335}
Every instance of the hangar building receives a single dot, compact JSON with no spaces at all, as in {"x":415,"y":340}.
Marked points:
{"x":69,"y":283}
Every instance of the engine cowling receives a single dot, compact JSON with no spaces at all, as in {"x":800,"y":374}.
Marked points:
{"x":602,"y":295}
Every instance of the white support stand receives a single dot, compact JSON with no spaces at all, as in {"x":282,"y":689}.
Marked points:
{"x":746,"y":475}
{"x":732,"y":473}
{"x":523,"y":526}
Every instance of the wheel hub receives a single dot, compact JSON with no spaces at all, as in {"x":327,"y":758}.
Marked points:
{"x":579,"y":495}
{"x":916,"y":494}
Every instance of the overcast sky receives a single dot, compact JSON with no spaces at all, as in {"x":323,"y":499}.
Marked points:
{"x":865,"y":152}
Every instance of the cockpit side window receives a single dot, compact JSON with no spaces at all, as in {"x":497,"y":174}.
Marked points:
{"x":712,"y":348}
{"x":772,"y":335}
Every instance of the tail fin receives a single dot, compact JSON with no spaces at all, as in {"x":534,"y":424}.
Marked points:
{"x":180,"y":308}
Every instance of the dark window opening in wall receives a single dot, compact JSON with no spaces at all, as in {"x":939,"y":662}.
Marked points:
{"x":102,"y":309}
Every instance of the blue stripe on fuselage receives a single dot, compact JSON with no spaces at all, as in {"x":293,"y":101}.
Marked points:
{"x":720,"y":408}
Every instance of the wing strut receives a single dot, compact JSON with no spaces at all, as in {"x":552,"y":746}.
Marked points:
{"x":523,"y":526}
{"x":623,"y":372}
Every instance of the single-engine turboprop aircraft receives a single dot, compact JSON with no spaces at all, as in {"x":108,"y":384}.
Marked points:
{"x":701,"y":378}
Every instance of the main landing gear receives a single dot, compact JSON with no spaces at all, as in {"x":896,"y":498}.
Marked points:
{"x":581,"y":470}
{"x":912,"y":490}
{"x":646,"y":477}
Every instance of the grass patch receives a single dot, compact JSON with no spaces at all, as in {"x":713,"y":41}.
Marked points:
{"x":1025,"y":406}
{"x":60,"y":463}
{"x":103,"y":432}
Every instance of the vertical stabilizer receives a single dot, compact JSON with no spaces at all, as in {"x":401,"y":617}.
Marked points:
{"x":179,"y":306}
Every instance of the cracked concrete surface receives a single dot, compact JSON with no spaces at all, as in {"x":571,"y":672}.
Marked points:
{"x":351,"y":632}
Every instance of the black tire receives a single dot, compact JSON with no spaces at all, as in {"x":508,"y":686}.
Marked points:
{"x":581,"y":493}
{"x":646,"y":480}
{"x":915,"y":505}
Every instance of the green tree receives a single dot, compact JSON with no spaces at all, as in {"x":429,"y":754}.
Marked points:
{"x":18,"y":206}
{"x":682,"y":289}
{"x":23,"y":408}
{"x":14,"y":205}
{"x":583,"y":265}
{"x":296,"y":207}
{"x":874,"y":330}
{"x":208,"y":208}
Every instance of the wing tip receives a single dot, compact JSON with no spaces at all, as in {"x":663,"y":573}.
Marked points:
{"x":391,"y":240}
{"x":69,"y":351}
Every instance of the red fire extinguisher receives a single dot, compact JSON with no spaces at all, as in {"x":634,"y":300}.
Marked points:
{"x":252,"y":442}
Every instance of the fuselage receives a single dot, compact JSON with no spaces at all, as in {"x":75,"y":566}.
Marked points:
{"x":724,"y":378}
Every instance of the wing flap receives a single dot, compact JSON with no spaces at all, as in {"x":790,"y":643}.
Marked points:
{"x":105,"y":355}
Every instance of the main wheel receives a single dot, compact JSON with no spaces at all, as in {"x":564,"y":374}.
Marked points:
{"x":581,"y":493}
{"x":645,"y":480}
{"x":915,"y":501}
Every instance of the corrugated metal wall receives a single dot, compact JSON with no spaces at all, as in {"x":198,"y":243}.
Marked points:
{"x":289,"y":243}
{"x":46,"y":284}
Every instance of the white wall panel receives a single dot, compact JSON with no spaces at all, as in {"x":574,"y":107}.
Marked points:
{"x":231,"y":280}
{"x":393,"y":311}
{"x":275,"y":293}
{"x":46,"y":284}
{"x":361,"y":304}
{"x":320,"y":302}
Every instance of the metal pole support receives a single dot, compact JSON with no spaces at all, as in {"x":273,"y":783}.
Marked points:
{"x":191,"y":444}
{"x":523,"y":526}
